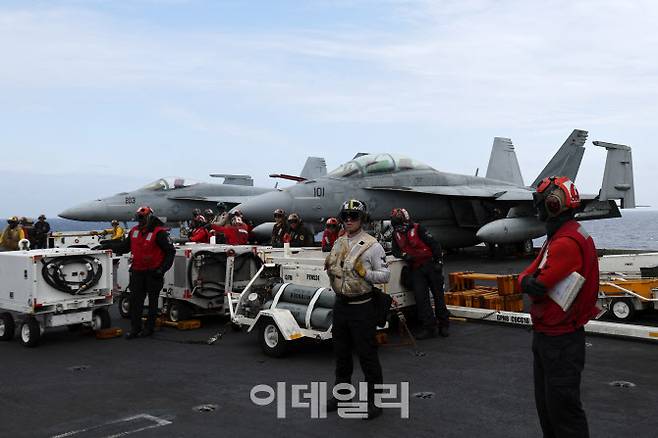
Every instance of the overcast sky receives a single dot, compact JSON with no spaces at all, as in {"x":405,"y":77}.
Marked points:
{"x":103,"y":96}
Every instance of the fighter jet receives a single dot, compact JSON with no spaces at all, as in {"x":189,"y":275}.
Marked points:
{"x":460,"y":210}
{"x":174,"y":198}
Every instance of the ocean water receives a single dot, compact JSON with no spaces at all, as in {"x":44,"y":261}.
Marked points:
{"x":637,"y":229}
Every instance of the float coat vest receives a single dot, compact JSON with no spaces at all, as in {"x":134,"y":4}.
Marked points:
{"x":11,"y":237}
{"x":411,"y":244}
{"x":147,"y":255}
{"x":340,"y":265}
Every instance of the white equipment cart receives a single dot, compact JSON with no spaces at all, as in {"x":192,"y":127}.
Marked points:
{"x":198,"y":282}
{"x":290,"y":298}
{"x":75,"y":239}
{"x":53,"y":288}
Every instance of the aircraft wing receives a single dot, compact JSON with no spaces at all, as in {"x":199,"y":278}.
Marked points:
{"x":232,"y":200}
{"x":592,"y":207}
{"x":501,"y":193}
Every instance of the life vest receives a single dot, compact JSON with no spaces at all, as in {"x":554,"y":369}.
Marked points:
{"x":278,"y":233}
{"x":340,"y":265}
{"x":411,"y":243}
{"x":547,"y":316}
{"x":117,"y":233}
{"x":242,"y":234}
{"x":200,"y":235}
{"x":147,"y":255}
{"x":11,"y":237}
{"x":328,"y":239}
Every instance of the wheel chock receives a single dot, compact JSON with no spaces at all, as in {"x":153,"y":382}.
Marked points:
{"x":189,"y":324}
{"x":108,"y":333}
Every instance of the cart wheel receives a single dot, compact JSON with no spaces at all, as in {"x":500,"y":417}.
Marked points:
{"x":236,"y":327}
{"x":271,"y":340}
{"x":30,"y":332}
{"x":101,"y":319}
{"x":7,"y":327}
{"x":178,"y":311}
{"x":622,"y":309}
{"x":124,"y":305}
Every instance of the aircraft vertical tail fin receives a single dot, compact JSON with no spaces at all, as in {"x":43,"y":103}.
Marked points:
{"x":314,"y":168}
{"x":618,"y":175}
{"x":566,"y":160}
{"x":503,"y":164}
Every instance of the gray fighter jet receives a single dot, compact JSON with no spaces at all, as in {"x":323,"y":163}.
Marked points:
{"x":460,"y":210}
{"x":173,"y":199}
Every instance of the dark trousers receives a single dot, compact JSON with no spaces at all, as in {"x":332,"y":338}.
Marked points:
{"x":354,"y":330}
{"x":143,"y":283}
{"x":558,"y":364}
{"x":429,"y":276}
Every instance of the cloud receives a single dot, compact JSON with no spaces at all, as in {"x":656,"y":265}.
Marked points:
{"x":443,"y":75}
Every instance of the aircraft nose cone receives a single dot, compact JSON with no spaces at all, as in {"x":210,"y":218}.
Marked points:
{"x":261,"y":208}
{"x":88,"y":211}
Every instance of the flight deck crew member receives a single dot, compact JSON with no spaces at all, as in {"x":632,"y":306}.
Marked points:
{"x":356,"y":262}
{"x":423,"y":254}
{"x":40,"y":232}
{"x":26,"y":225}
{"x":199,"y":232}
{"x":558,"y":343}
{"x":330,"y":234}
{"x":298,"y":234}
{"x":222,"y":215}
{"x":153,"y":254}
{"x":116,"y":231}
{"x":280,"y":228}
{"x":11,"y":235}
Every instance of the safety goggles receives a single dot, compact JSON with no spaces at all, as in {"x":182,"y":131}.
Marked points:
{"x":293,"y":221}
{"x":278,"y":215}
{"x":350,"y":215}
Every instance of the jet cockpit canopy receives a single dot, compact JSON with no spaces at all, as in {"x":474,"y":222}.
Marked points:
{"x":375,"y":164}
{"x":169,"y":183}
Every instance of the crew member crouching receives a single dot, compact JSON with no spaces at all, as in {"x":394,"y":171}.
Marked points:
{"x":424,"y":257}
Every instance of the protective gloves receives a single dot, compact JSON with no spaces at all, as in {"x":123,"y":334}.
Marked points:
{"x":531,"y":286}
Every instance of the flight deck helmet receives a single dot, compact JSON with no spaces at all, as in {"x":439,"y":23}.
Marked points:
{"x":143,"y":214}
{"x":555,"y":195}
{"x":294,"y":220}
{"x":332,"y":223}
{"x":353,"y":209}
{"x":400,"y":216}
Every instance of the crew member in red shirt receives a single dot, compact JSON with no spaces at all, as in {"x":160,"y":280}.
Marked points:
{"x":199,"y":232}
{"x":330,"y":234}
{"x":558,"y":344}
{"x":242,"y":231}
{"x":153,"y":254}
{"x":424,"y":256}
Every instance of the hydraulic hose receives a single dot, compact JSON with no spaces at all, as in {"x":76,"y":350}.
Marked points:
{"x":52,"y":272}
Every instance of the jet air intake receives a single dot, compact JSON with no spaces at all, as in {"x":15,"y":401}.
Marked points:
{"x":511,"y":230}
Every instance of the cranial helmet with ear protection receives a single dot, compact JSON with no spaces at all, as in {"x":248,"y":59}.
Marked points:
{"x":557,"y":194}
